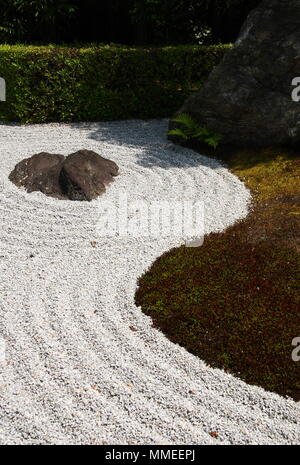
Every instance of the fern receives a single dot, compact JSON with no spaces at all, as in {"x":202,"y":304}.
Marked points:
{"x":178,"y":132}
{"x":191,"y":130}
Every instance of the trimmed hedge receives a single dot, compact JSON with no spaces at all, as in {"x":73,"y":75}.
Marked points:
{"x":100,"y":83}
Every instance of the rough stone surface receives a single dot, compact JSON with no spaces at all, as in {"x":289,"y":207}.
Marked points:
{"x":82,"y":175}
{"x":247,"y":98}
{"x":39,"y":173}
{"x":85,"y":174}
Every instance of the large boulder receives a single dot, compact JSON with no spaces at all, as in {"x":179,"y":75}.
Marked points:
{"x":247,"y":98}
{"x":40,"y":172}
{"x":85,"y":174}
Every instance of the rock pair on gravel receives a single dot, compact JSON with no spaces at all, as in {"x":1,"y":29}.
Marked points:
{"x":83,"y":175}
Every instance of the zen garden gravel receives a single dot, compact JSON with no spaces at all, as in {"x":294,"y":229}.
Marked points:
{"x":83,"y":364}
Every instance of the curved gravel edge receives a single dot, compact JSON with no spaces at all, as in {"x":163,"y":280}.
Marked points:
{"x":83,"y":364}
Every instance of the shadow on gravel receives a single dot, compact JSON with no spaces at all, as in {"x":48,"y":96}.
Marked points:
{"x":149,"y":138}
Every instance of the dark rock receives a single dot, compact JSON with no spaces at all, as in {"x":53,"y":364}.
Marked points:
{"x":85,"y":174}
{"x":39,"y":173}
{"x":247,"y":98}
{"x":80,"y":176}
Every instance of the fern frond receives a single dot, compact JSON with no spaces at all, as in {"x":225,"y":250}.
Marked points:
{"x":190,"y":129}
{"x":201,"y":132}
{"x":186,"y":120}
{"x":178,"y":132}
{"x":213,"y":140}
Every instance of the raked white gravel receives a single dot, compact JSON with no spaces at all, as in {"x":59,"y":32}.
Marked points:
{"x":74,"y":371}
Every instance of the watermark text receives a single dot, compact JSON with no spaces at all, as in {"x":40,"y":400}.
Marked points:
{"x":2,"y":90}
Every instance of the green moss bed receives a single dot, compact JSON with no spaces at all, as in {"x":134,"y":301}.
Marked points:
{"x":235,"y":301}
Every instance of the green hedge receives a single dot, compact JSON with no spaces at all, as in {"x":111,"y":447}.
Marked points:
{"x":100,"y":83}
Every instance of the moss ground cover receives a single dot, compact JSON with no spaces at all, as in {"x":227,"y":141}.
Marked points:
{"x":235,"y":301}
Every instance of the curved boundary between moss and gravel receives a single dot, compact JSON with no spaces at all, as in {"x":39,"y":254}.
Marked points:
{"x":234,"y":302}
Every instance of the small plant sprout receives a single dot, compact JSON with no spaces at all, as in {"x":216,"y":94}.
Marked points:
{"x":191,"y":130}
